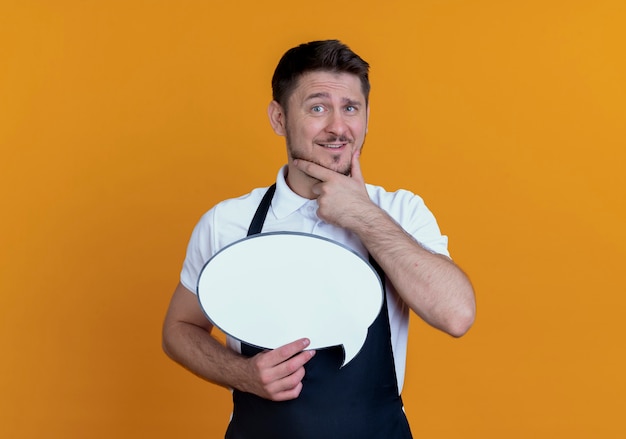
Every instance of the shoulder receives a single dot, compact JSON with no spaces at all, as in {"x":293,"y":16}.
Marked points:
{"x":221,"y":225}
{"x":410,"y":211}
{"x":233,"y":206}
{"x":232,"y":216}
{"x":396,"y":203}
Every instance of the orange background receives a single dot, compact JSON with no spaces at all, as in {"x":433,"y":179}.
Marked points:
{"x":121,"y":122}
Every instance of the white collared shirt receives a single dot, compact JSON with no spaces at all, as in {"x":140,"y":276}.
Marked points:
{"x":229,"y":220}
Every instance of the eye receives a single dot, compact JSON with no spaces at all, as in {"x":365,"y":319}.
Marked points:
{"x":351,"y":109}
{"x":317,"y":109}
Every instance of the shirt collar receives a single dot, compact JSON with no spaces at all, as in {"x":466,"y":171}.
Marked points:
{"x":286,"y":201}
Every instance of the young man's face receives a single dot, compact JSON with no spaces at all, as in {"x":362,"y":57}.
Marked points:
{"x":326,"y":120}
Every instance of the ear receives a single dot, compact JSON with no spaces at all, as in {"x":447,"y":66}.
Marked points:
{"x":367,"y":121}
{"x":277,"y":118}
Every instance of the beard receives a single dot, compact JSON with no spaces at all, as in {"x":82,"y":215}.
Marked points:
{"x":345,"y":169}
{"x":335,"y":166}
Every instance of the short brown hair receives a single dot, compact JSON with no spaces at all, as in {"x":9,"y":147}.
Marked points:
{"x":327,"y":55}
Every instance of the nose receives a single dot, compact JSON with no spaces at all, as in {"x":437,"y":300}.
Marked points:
{"x":336,"y":124}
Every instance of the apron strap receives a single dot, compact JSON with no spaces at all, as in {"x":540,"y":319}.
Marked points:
{"x":259,"y":217}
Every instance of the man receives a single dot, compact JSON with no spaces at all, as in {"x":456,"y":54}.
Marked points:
{"x":320,"y":105}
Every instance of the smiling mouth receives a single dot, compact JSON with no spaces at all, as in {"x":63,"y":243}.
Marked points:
{"x":334,"y":143}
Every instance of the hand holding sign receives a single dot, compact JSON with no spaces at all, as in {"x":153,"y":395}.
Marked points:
{"x":271,"y":289}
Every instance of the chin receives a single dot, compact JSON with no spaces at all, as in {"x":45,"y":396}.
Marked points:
{"x":345,"y":169}
{"x":342,"y":168}
{"x":333,"y":166}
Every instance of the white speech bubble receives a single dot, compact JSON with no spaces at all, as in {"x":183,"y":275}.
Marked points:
{"x":270,"y":289}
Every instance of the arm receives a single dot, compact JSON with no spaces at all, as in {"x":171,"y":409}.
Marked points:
{"x":187,"y":339}
{"x":430,"y":284}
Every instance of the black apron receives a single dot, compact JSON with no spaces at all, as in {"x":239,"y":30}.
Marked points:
{"x":358,"y":401}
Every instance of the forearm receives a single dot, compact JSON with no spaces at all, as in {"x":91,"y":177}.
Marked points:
{"x":430,"y":284}
{"x":194,"y":348}
{"x":276,"y":374}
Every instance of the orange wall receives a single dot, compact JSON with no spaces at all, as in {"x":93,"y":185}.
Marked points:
{"x":121,"y":122}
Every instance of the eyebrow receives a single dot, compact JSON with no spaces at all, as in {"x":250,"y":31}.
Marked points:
{"x":327,"y":96}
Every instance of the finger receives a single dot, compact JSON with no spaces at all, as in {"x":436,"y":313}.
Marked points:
{"x":290,"y":374}
{"x":284,"y":353}
{"x":314,"y":170}
{"x":282,"y":374}
{"x":355,"y":170}
{"x":287,"y":395}
{"x":288,"y":382}
{"x":289,"y":367}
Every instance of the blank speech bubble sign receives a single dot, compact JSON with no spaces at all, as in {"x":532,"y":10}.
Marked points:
{"x":270,"y":289}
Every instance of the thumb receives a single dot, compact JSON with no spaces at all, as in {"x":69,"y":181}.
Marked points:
{"x":355,"y":170}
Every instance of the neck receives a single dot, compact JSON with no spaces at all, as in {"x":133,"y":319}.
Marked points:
{"x":301,"y":183}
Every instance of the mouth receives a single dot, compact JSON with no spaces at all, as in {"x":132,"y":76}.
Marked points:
{"x":334,"y":144}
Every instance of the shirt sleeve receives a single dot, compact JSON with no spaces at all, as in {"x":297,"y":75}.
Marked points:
{"x":410,"y":211}
{"x":199,"y":250}
{"x":425,"y":229}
